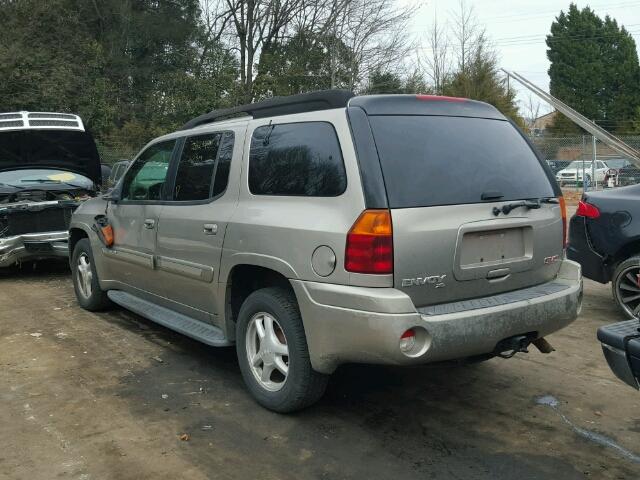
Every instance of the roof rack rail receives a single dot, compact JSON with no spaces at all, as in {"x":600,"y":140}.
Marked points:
{"x":304,"y":102}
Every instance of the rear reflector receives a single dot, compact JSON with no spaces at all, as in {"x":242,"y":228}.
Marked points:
{"x":370,"y":244}
{"x":408,"y":341}
{"x":587,"y":210}
{"x":440,"y":98}
{"x":563,"y":211}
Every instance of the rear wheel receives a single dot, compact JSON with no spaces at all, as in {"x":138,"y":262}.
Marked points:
{"x":273,"y":354}
{"x":85,"y":279}
{"x":626,"y":286}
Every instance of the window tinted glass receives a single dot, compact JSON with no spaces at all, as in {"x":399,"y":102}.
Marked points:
{"x":196,"y":168}
{"x":224,"y":163}
{"x":145,"y":179}
{"x":302,"y":159}
{"x":203,"y":170}
{"x":436,"y":160}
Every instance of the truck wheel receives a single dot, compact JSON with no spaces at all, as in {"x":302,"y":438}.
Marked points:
{"x":273,"y":354}
{"x":85,"y":279}
{"x":626,"y":286}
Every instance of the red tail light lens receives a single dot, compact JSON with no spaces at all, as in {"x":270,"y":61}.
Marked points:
{"x":370,"y":244}
{"x":563,"y":212}
{"x":587,"y":210}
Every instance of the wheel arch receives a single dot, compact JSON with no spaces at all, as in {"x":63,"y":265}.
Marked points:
{"x":628,"y":250}
{"x":243,"y":279}
{"x":75,"y":235}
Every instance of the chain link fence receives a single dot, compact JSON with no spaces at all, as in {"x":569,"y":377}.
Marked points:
{"x":581,"y":162}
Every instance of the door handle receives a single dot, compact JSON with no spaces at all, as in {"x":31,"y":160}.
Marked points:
{"x":210,"y":228}
{"x":149,"y":223}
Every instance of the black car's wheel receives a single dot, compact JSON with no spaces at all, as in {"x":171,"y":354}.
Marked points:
{"x":626,"y":286}
{"x":273,"y":354}
{"x":85,"y":279}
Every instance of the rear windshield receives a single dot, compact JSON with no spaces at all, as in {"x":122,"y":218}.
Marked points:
{"x":437,"y":160}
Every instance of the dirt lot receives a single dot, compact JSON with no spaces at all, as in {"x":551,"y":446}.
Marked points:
{"x":107,"y":396}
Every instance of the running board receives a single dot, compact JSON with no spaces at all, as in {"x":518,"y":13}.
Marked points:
{"x":188,"y":326}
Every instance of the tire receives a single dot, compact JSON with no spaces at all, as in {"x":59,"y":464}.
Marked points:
{"x":301,"y":386}
{"x":85,"y":279}
{"x":625,"y":286}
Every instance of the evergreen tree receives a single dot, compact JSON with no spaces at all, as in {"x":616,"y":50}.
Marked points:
{"x":594,"y":69}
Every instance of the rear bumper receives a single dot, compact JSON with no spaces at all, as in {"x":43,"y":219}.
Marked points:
{"x":346,"y":324}
{"x":621,"y":348}
{"x":33,"y":246}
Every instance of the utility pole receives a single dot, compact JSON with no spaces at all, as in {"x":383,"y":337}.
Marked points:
{"x":593,"y":163}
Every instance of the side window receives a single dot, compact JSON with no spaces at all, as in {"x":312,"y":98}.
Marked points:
{"x":301,"y":159}
{"x":203,"y":170}
{"x":145,"y":179}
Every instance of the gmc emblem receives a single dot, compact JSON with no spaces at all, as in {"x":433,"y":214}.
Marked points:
{"x":551,"y":260}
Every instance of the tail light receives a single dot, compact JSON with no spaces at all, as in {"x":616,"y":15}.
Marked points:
{"x":370,"y":244}
{"x":563,"y":211}
{"x":587,"y":210}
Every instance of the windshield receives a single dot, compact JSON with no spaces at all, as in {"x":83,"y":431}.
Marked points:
{"x":30,"y":177}
{"x":438,"y":160}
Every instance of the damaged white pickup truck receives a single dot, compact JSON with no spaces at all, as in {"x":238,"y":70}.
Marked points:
{"x":49,"y":164}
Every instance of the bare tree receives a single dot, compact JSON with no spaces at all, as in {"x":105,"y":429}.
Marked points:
{"x":438,"y":58}
{"x":216,"y":16}
{"x":375,"y":31}
{"x":257,"y":23}
{"x":531,"y":111}
{"x":468,"y":35}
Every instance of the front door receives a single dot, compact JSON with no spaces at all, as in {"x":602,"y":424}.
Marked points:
{"x":135,"y":221}
{"x":193,"y":223}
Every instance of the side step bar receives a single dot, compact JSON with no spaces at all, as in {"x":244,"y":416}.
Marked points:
{"x":188,"y":326}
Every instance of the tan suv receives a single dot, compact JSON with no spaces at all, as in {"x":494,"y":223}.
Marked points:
{"x":322,"y":229}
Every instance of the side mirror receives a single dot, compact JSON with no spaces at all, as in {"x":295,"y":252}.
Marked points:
{"x":112,"y":195}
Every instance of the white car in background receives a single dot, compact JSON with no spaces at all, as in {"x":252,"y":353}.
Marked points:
{"x":572,"y":174}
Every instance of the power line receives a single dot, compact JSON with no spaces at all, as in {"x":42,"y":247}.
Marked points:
{"x":519,"y":17}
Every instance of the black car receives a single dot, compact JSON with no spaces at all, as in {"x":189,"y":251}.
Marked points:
{"x":604,"y":237}
{"x":628,"y":175}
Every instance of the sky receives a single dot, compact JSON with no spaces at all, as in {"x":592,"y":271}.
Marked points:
{"x":518,"y":29}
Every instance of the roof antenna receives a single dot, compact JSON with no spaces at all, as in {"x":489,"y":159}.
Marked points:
{"x":267,"y":137}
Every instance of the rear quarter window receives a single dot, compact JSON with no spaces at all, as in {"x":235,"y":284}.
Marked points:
{"x":296,"y":159}
{"x":439,"y":160}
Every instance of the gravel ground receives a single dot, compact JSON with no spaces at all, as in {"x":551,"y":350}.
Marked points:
{"x":110,"y":395}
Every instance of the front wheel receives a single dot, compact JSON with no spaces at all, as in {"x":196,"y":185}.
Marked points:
{"x":85,"y":279}
{"x":626,"y":286}
{"x":273,"y":354}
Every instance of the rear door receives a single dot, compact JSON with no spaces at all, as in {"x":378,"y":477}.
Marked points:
{"x":445,"y":177}
{"x":193,"y":223}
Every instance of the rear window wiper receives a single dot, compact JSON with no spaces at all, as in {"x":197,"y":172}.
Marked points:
{"x":528,"y":204}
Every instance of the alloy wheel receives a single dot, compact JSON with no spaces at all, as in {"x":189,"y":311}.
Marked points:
{"x":85,"y":275}
{"x":267,"y":351}
{"x":628,"y":290}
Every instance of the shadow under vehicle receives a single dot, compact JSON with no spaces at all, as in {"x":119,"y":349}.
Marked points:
{"x":49,"y":164}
